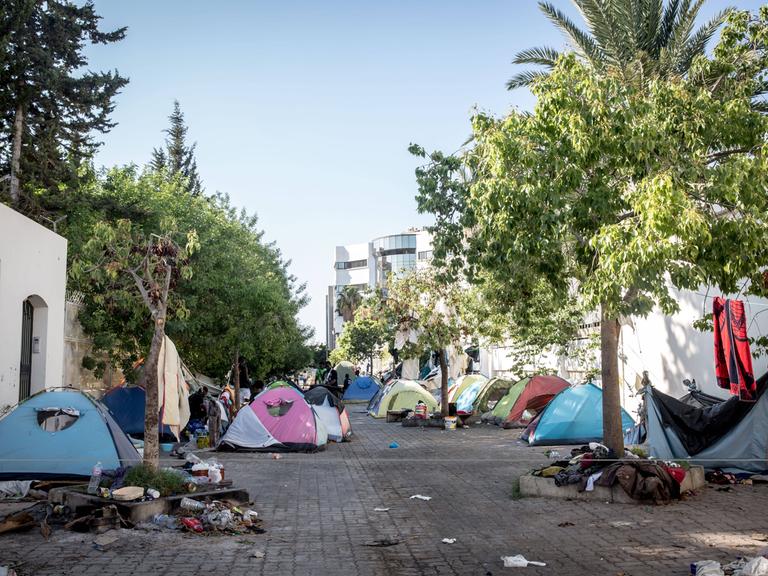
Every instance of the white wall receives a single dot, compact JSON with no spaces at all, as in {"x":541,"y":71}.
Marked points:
{"x":671,"y":350}
{"x":33,"y":264}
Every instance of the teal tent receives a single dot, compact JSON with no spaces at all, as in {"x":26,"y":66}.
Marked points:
{"x":574,"y":416}
{"x":61,"y":433}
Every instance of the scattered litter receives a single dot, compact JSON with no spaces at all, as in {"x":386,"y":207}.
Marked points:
{"x":257,"y":554}
{"x":420,"y":497}
{"x":725,"y":489}
{"x":382,"y":543}
{"x":707,"y":568}
{"x":105,"y":541}
{"x":394,"y":445}
{"x":192,"y":524}
{"x":276,"y":456}
{"x":152,"y":493}
{"x":519,"y":561}
{"x":165,"y":521}
{"x":566,"y":524}
{"x":14,"y":489}
{"x":448,"y":540}
{"x":128,"y":493}
{"x":381,"y":509}
{"x":45,"y":528}
{"x":190,"y":504}
{"x":756,"y":567}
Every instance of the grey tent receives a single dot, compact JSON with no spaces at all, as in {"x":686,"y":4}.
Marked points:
{"x":730,"y":435}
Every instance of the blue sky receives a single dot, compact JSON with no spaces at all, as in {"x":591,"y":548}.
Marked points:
{"x":303,"y":111}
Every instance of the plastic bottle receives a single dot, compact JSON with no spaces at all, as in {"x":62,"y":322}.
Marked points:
{"x":93,"y":483}
{"x":192,"y":505}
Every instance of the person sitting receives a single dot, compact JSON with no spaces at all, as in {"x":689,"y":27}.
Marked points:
{"x":346,"y":383}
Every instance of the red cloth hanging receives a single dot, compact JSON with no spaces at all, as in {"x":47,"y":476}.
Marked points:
{"x":733,"y":361}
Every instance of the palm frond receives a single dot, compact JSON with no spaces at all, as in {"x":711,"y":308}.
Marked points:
{"x":668,"y":23}
{"x":650,"y":26}
{"x":582,"y":42}
{"x":543,"y":56}
{"x":524,"y":79}
{"x":598,"y":14}
{"x":697,"y":42}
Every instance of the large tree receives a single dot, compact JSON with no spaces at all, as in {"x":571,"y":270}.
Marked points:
{"x":141,"y":272}
{"x":347,"y":302}
{"x":427,"y":316}
{"x":240,"y":296}
{"x":177,"y":158}
{"x":364,"y":337}
{"x":611,"y":193}
{"x":49,"y":108}
{"x":651,"y":38}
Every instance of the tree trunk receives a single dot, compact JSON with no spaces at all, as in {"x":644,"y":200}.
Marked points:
{"x":443,"y":384}
{"x":237,"y":381}
{"x":613,"y":435}
{"x":18,"y":127}
{"x":152,"y":405}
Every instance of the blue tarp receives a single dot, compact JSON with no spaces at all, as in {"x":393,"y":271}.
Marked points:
{"x":574,"y":416}
{"x":126,"y":403}
{"x":744,"y":448}
{"x":466,"y":400}
{"x":27,"y":451}
{"x":362,"y":389}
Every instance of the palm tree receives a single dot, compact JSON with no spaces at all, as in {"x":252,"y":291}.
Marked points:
{"x":347,"y":302}
{"x":653,"y":37}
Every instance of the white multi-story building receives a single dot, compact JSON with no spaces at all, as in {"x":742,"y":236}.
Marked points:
{"x":368,"y":264}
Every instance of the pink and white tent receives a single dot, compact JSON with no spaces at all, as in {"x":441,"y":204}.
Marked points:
{"x":277,"y":420}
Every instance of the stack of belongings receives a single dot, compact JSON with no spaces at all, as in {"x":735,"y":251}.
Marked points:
{"x":596,"y":465}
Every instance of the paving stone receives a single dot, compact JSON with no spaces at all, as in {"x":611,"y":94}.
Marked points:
{"x":318,"y":510}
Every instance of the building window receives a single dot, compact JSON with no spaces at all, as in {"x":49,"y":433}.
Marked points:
{"x":425,"y":255}
{"x":351,"y":264}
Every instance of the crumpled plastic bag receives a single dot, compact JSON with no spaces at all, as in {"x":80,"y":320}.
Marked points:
{"x":709,"y":568}
{"x":756,"y":567}
{"x":219,"y":519}
{"x":14,"y":489}
{"x":519,"y":561}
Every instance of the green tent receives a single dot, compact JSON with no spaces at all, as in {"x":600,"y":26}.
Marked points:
{"x":504,"y":406}
{"x":402,"y":395}
{"x":494,"y":391}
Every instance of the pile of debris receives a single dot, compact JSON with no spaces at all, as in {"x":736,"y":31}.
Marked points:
{"x":215,"y":517}
{"x":756,"y":566}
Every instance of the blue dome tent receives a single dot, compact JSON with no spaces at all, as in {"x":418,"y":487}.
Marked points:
{"x":574,"y":416}
{"x":126,"y":404}
{"x":61,"y":433}
{"x":362,"y":389}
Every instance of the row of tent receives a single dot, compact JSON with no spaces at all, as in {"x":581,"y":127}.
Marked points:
{"x":551,"y":409}
{"x":62,"y":432}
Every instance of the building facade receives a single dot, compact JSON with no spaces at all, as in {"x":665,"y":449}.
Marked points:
{"x":367,"y":265}
{"x":33,"y":275}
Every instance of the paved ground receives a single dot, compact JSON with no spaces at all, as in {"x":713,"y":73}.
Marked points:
{"x":318,"y":510}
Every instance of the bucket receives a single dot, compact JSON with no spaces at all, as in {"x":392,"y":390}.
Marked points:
{"x":449,"y":422}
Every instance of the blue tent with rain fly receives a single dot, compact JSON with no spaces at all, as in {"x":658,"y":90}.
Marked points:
{"x":126,"y":403}
{"x":574,"y":416}
{"x":61,"y":433}
{"x":362,"y":389}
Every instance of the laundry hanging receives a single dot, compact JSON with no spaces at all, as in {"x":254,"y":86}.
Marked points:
{"x":733,"y":361}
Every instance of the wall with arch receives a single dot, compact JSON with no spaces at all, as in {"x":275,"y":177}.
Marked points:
{"x":33,"y":266}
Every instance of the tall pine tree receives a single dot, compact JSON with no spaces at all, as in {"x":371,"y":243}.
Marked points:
{"x":177,"y":158}
{"x":49,"y":108}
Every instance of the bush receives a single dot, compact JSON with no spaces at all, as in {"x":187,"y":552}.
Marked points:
{"x":165,"y":481}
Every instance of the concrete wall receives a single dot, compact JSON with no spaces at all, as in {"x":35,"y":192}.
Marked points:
{"x":77,"y":345}
{"x":671,"y":350}
{"x":33,"y":265}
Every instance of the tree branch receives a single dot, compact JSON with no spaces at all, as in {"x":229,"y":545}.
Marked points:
{"x":715,"y":156}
